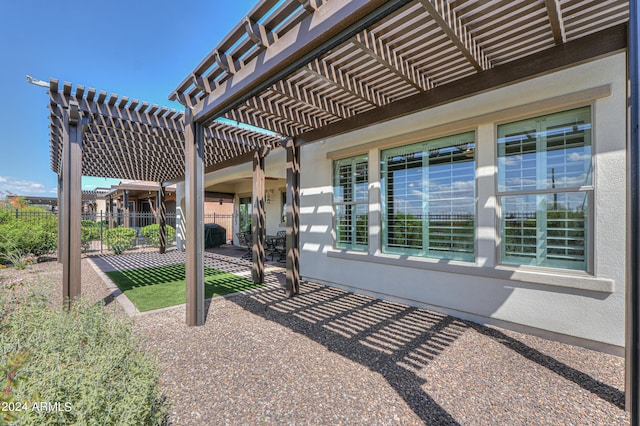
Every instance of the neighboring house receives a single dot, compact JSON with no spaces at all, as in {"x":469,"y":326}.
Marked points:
{"x":139,"y":197}
{"x":47,"y":203}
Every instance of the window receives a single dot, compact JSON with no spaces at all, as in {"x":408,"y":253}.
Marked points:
{"x":428,"y":204}
{"x":351,"y":202}
{"x":545,"y":189}
{"x":246,"y":210}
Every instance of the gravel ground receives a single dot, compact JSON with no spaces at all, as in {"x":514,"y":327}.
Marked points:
{"x":332,"y":357}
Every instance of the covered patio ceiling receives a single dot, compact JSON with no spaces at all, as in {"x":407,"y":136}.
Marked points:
{"x":130,"y":139}
{"x":315,"y":68}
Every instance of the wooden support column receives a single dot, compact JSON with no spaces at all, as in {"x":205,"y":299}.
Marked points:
{"x":632,"y":341}
{"x":72,"y":203}
{"x":109,"y":212}
{"x":126,"y":220}
{"x":194,"y":214}
{"x":292,"y":285}
{"x":258,"y":227}
{"x":60,"y":217}
{"x":161,"y":210}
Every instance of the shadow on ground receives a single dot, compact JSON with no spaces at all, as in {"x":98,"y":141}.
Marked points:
{"x":388,"y":338}
{"x":391,"y":339}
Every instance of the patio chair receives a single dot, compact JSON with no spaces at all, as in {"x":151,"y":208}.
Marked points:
{"x":245,"y":240}
{"x":280,"y":247}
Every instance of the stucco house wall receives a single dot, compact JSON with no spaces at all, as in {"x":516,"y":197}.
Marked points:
{"x":586,"y":308}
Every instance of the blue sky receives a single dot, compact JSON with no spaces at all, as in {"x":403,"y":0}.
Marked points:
{"x":140,"y":49}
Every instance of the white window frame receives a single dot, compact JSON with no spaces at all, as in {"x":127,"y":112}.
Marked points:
{"x":587,"y":189}
{"x":354,"y":244}
{"x":427,"y":248}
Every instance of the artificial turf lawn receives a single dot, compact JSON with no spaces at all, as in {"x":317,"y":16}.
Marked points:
{"x":161,"y":286}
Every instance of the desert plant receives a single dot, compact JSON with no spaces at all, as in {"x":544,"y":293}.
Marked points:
{"x":86,"y":360}
{"x":11,"y":370}
{"x":120,"y":239}
{"x":151,"y":233}
{"x":11,"y":254}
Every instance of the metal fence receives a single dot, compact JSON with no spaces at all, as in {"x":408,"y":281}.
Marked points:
{"x":120,"y":232}
{"x":224,"y":220}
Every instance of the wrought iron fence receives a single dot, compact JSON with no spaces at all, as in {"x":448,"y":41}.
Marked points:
{"x":224,"y":220}
{"x":119,"y":232}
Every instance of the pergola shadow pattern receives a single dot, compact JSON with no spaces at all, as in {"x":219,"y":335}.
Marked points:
{"x":394,"y":340}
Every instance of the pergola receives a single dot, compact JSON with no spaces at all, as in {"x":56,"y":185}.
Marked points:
{"x":96,"y":134}
{"x":309,"y":70}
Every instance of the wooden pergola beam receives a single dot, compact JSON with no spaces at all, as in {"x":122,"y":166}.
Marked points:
{"x":312,"y":103}
{"x":253,"y":115}
{"x":140,"y":141}
{"x":108,"y":108}
{"x":457,"y":32}
{"x":277,"y":61}
{"x":554,"y":12}
{"x":592,"y":46}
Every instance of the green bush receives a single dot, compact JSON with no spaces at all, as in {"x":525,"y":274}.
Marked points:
{"x":119,"y":239}
{"x":35,"y":232}
{"x":37,"y":238}
{"x":90,"y":232}
{"x":151,"y":233}
{"x":86,"y":361}
{"x":5,"y":215}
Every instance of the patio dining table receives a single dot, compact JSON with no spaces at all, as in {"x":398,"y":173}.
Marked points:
{"x":275,"y":245}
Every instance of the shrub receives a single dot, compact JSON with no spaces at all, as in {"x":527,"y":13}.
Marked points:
{"x":90,"y":232}
{"x":34,"y":231}
{"x":119,"y":239}
{"x":86,"y":360}
{"x":37,"y":238}
{"x":151,"y":233}
{"x":5,"y":215}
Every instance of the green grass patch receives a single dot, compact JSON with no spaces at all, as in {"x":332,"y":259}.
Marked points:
{"x":162,"y":286}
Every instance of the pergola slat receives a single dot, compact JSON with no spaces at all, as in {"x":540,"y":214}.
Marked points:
{"x":388,"y":58}
{"x":555,"y":20}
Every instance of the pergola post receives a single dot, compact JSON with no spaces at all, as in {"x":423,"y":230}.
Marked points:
{"x":180,"y":219}
{"x":109,"y":212}
{"x":161,"y":210}
{"x":72,"y":203}
{"x":258,"y":217}
{"x":194,"y":189}
{"x":292,"y":285}
{"x":60,"y":217}
{"x":126,"y":220}
{"x":632,"y":344}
